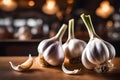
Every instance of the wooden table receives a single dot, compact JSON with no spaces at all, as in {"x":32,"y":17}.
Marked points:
{"x":54,"y":73}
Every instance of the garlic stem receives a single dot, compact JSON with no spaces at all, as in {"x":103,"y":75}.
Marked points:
{"x":88,"y":23}
{"x":61,"y":32}
{"x":71,"y":29}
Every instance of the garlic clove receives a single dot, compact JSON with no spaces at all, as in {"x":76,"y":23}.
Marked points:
{"x":53,"y":54}
{"x":41,"y":48}
{"x":43,"y":45}
{"x":75,"y":71}
{"x":24,"y":66}
{"x":86,"y":62}
{"x":97,"y":52}
{"x":111,"y":50}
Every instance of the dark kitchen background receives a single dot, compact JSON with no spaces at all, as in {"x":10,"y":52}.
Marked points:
{"x":24,"y":23}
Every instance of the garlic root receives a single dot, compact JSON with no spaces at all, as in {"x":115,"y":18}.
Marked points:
{"x":24,"y":66}
{"x":105,"y":67}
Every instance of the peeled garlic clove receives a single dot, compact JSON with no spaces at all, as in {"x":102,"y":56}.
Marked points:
{"x":98,"y":52}
{"x":51,"y":51}
{"x":75,"y":71}
{"x":24,"y":66}
{"x":73,"y":47}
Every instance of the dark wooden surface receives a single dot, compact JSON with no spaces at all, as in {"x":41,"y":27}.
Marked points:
{"x":52,"y":73}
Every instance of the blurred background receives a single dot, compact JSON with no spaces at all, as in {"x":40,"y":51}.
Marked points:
{"x":24,"y":23}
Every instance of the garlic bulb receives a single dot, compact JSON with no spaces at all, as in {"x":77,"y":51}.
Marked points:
{"x":73,"y":49}
{"x":51,"y":51}
{"x":24,"y":66}
{"x":98,"y":53}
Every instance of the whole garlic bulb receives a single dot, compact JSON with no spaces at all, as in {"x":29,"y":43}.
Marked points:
{"x":51,"y":51}
{"x":73,"y":47}
{"x":98,"y":53}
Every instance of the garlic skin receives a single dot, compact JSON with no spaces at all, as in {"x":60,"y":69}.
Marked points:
{"x":98,"y":52}
{"x":73,"y":47}
{"x":24,"y":66}
{"x":51,"y":51}
{"x":65,"y":70}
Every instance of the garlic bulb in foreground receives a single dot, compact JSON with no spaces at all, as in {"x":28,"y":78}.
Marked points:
{"x":73,"y":47}
{"x":24,"y":66}
{"x":98,"y":53}
{"x":51,"y":51}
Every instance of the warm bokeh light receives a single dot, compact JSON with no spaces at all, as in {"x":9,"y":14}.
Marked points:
{"x":50,"y":4}
{"x":109,"y":24}
{"x":23,"y":33}
{"x":70,"y":1}
{"x":68,"y":10}
{"x":7,"y":2}
{"x":50,"y":7}
{"x":59,"y":15}
{"x":105,"y":9}
{"x":8,"y":5}
{"x":31,"y":3}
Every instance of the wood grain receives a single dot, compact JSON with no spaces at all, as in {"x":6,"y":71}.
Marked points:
{"x":52,"y":73}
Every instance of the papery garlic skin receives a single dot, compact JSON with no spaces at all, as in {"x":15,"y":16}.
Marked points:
{"x":87,"y":64}
{"x":24,"y":66}
{"x":111,"y":49}
{"x":50,"y":54}
{"x":71,"y":72}
{"x":43,"y":45}
{"x":98,"y":52}
{"x":51,"y":51}
{"x":73,"y":47}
